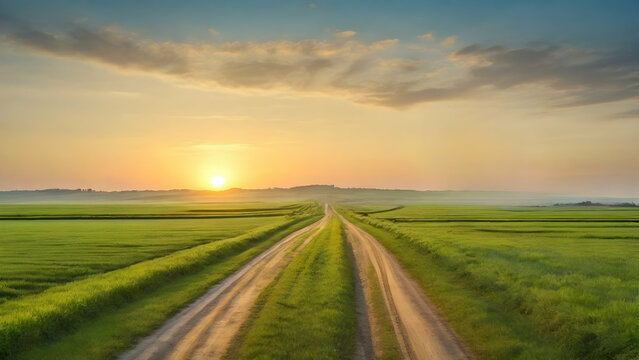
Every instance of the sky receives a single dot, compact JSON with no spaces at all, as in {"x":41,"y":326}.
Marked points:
{"x":428,"y":95}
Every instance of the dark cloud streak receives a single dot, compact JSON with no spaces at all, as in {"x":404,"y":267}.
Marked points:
{"x":630,"y":114}
{"x":106,"y":45}
{"x":582,"y":78}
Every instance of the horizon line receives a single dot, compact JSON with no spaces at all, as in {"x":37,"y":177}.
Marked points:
{"x":91,"y":190}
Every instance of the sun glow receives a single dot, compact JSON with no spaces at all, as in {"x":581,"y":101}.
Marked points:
{"x":217,"y":181}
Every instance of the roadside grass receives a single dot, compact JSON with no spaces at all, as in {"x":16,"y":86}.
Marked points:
{"x":34,"y":319}
{"x":527,"y":289}
{"x":309,"y":311}
{"x":116,"y":328}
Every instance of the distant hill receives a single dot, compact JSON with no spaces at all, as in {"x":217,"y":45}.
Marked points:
{"x":326,"y":193}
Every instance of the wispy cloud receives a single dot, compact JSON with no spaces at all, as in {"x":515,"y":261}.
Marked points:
{"x":427,"y":36}
{"x":362,"y":72}
{"x":108,"y":45}
{"x":344,"y":34}
{"x":630,"y":114}
{"x":214,"y":32}
{"x":449,"y":41}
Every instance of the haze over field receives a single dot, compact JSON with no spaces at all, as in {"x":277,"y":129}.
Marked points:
{"x":321,"y":193}
{"x":465,"y":95}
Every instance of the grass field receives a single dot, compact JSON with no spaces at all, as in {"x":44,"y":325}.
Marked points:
{"x":144,"y":211}
{"x":64,"y":272}
{"x":80,"y":281}
{"x":551,"y":283}
{"x":309,"y":312}
{"x":39,"y":254}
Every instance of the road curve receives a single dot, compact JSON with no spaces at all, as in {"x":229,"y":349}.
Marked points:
{"x":421,"y":331}
{"x":205,"y":328}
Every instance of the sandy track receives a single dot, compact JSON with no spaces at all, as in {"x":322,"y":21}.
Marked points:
{"x":205,"y":328}
{"x":421,"y":331}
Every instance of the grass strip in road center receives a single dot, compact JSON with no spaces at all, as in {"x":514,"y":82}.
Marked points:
{"x":309,"y":312}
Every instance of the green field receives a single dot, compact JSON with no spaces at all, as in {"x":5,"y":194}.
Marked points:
{"x":39,"y":254}
{"x":309,"y":312}
{"x":86,"y":281}
{"x":528,"y":283}
{"x":144,"y":211}
{"x":58,"y":273}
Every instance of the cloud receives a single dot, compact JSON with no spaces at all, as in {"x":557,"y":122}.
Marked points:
{"x":383,"y":44}
{"x":214,"y":32}
{"x":312,"y":5}
{"x":399,"y":64}
{"x":369,"y":73}
{"x":344,"y":34}
{"x":108,"y":45}
{"x":449,"y":41}
{"x":428,"y":36}
{"x":630,"y":114}
{"x":305,"y":65}
{"x":406,"y":94}
{"x":580,"y":77}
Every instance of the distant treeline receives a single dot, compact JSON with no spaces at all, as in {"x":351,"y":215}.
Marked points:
{"x":590,"y":203}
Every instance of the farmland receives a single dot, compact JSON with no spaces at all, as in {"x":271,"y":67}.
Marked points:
{"x":99,"y":281}
{"x":523,"y":282}
{"x":65,"y":264}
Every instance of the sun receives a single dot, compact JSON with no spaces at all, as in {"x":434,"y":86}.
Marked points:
{"x":217,"y":181}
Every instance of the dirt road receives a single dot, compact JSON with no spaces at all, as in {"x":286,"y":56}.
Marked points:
{"x":205,"y":328}
{"x":420,"y":330}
